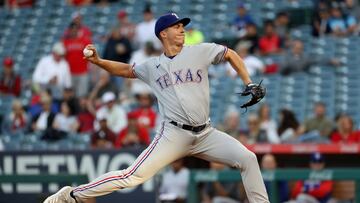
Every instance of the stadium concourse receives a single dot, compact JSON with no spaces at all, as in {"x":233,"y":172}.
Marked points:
{"x":305,"y":51}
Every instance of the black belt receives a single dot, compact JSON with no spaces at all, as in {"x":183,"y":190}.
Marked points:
{"x":189,"y":127}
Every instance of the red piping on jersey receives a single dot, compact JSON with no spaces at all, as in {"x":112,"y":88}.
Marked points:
{"x":225,"y":51}
{"x":133,"y":69}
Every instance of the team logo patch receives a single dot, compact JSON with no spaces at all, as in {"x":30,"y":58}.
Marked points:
{"x":174,"y":14}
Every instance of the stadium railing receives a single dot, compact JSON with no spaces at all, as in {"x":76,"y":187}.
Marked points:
{"x":197,"y":176}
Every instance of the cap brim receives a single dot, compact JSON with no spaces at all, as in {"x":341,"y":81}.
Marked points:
{"x":184,"y":21}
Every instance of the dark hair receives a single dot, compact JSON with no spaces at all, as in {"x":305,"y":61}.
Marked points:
{"x":73,"y":25}
{"x":71,"y":106}
{"x":320,"y":104}
{"x":147,"y":8}
{"x":288,"y":121}
{"x":282,"y":13}
{"x":269,"y":23}
{"x":251,"y":25}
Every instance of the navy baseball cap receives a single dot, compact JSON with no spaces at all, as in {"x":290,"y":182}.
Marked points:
{"x":317,"y":158}
{"x":168,"y":20}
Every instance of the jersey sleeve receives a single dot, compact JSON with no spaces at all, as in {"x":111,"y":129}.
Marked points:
{"x":215,"y":52}
{"x":141,"y":72}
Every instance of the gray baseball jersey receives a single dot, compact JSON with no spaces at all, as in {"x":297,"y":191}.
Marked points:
{"x":181,"y":86}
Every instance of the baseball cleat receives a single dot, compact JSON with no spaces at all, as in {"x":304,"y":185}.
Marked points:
{"x":62,"y":196}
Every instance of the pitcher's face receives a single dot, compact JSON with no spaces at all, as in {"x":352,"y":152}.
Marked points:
{"x":175,"y":34}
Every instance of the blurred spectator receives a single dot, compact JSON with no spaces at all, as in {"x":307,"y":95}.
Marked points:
{"x":267,"y":124}
{"x":271,"y":65}
{"x":270,"y":42}
{"x":14,"y":4}
{"x":322,"y":4}
{"x":141,"y":55}
{"x":268,"y":163}
{"x":53,"y":72}
{"x":127,"y":29}
{"x":251,"y":36}
{"x":144,"y":113}
{"x":231,"y":122}
{"x":10,"y":83}
{"x":320,"y":24}
{"x":118,"y":47}
{"x":220,"y":192}
{"x":255,"y":133}
{"x":137,"y":86}
{"x":252,"y":63}
{"x":65,"y":120}
{"x":103,"y":137}
{"x":296,"y":60}
{"x":193,"y":35}
{"x":44,"y":119}
{"x":319,"y":125}
{"x":17,"y":121}
{"x":313,"y":191}
{"x":79,"y":2}
{"x":341,"y":24}
{"x":115,"y":115}
{"x":36,"y":106}
{"x":242,"y":19}
{"x":74,"y":44}
{"x":288,"y":126}
{"x":345,"y":132}
{"x":145,"y":30}
{"x":73,"y":102}
{"x":83,"y":31}
{"x":243,"y":136}
{"x":104,"y":3}
{"x":282,"y":27}
{"x":133,"y":135}
{"x":174,"y":185}
{"x":102,"y":86}
{"x":85,"y":115}
{"x":63,"y":123}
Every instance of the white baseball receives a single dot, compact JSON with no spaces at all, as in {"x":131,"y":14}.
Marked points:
{"x":87,"y":52}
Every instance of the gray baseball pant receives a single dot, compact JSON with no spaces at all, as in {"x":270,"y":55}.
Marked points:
{"x":172,"y":143}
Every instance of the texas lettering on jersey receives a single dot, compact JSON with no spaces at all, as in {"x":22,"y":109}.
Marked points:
{"x":179,"y":77}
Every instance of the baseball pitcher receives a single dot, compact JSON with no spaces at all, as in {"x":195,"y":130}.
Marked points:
{"x":179,"y":79}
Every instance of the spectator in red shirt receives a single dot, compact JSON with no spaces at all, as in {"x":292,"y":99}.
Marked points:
{"x":345,"y":131}
{"x":74,"y":44}
{"x":270,"y":42}
{"x":127,"y":28}
{"x":145,"y":114}
{"x":85,"y":116}
{"x":313,"y":191}
{"x":133,"y":134}
{"x":104,"y":137}
{"x":84,"y":31}
{"x":79,"y":2}
{"x":10,"y":83}
{"x":14,"y":4}
{"x":17,"y":121}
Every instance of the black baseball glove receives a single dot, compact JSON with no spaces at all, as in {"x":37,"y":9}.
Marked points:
{"x":256,"y":91}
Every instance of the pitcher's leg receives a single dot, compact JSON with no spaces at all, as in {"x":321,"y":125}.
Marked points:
{"x":220,"y":147}
{"x":160,"y":153}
